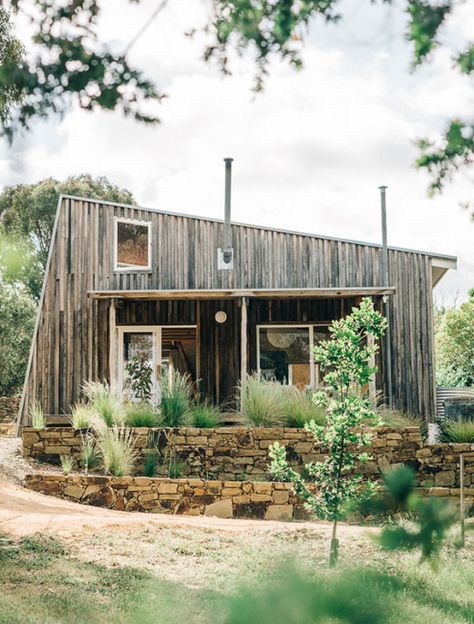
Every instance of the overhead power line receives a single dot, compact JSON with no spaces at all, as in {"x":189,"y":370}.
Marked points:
{"x":145,"y":26}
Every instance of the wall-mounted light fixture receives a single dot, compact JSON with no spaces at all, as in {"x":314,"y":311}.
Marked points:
{"x":221,"y":316}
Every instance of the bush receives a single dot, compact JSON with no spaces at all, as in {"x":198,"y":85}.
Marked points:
{"x":204,"y":415}
{"x":141,"y":416}
{"x":394,"y":418}
{"x":175,"y":469}
{"x":176,"y":392}
{"x":118,"y":451}
{"x":90,"y":454}
{"x":462,"y":431}
{"x":17,"y":319}
{"x":67,"y":463}
{"x":37,"y":416}
{"x":299,"y":408}
{"x":82,"y":416}
{"x":106,"y":402}
{"x":262,"y":402}
{"x":150,"y":462}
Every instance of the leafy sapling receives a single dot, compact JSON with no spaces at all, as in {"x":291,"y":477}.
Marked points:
{"x":139,"y":378}
{"x":345,"y":359}
{"x":430,"y":517}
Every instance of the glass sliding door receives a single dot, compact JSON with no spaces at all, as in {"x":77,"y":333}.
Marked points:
{"x":139,"y":362}
{"x":147,"y":353}
{"x":284,"y":353}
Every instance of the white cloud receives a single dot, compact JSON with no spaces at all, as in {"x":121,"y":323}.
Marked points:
{"x":309,"y":152}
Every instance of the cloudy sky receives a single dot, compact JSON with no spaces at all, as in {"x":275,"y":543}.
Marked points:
{"x":309,"y":152}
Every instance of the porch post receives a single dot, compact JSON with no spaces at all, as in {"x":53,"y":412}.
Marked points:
{"x":112,"y":344}
{"x":243,"y":339}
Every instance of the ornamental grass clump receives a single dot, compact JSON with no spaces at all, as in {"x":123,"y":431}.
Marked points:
{"x":176,"y":391}
{"x":345,"y":360}
{"x":117,"y":447}
{"x":37,"y":416}
{"x":458,"y":432}
{"x":67,"y":464}
{"x":300,"y":409}
{"x":106,"y":402}
{"x":204,"y":415}
{"x":82,"y":416}
{"x":141,"y":416}
{"x":261,"y":401}
{"x":90,"y":453}
{"x":150,"y":462}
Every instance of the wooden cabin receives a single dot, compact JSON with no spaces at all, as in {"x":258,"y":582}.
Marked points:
{"x":124,"y":281}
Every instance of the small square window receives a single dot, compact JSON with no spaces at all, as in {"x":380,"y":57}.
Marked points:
{"x":132,"y":245}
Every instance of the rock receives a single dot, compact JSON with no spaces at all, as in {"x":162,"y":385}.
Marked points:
{"x":280,"y":497}
{"x":260,"y":498}
{"x":279,"y":512}
{"x":446,"y":477}
{"x":220,"y":509}
{"x":167,"y":488}
{"x":231,"y":491}
{"x":73,"y":491}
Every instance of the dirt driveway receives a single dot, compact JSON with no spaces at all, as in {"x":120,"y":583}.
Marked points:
{"x":23,"y":512}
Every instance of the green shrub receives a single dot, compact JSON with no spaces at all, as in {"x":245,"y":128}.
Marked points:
{"x":37,"y":416}
{"x":176,"y":392}
{"x":117,"y":446}
{"x":90,"y":454}
{"x":141,"y":416}
{"x":175,"y":469}
{"x":262,"y":403}
{"x":394,"y":418}
{"x":204,"y":415}
{"x":106,"y":402}
{"x":67,"y":463}
{"x":150,"y":462}
{"x":82,"y":416}
{"x":299,"y":408}
{"x":462,"y":431}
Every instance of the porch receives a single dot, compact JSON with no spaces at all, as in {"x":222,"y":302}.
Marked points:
{"x":218,"y":336}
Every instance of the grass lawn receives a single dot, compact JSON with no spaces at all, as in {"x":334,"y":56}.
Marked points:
{"x":192,"y":575}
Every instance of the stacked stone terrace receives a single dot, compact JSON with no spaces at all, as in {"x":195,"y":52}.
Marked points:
{"x":224,"y":471}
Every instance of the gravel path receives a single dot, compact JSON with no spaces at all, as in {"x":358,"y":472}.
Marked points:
{"x":12,"y":465}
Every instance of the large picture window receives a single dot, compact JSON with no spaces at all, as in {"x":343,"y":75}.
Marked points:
{"x":285,"y":353}
{"x":132,"y":250}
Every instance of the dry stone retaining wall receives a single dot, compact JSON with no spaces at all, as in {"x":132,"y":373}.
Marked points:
{"x":229,"y":453}
{"x":192,"y":497}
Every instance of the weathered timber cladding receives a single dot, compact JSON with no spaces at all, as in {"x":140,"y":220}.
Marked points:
{"x":72,"y":341}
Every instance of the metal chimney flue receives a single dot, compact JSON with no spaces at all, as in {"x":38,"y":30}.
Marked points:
{"x":225,"y":255}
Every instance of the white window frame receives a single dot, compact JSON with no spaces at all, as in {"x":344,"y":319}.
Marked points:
{"x":131,"y":268}
{"x":309,"y":326}
{"x":156,"y":331}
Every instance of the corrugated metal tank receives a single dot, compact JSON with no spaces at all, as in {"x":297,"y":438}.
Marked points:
{"x":443,"y":394}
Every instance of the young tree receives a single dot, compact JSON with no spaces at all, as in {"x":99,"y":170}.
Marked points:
{"x":454,"y":341}
{"x":11,"y":55}
{"x":430,"y":517}
{"x":27,"y":214}
{"x":345,"y":359}
{"x":17,"y":317}
{"x":71,"y":66}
